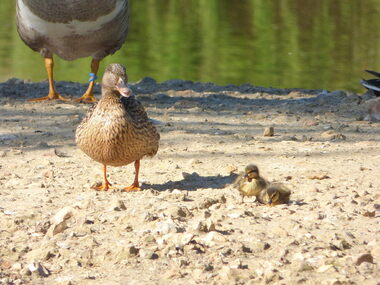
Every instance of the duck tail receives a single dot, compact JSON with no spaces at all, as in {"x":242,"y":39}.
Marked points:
{"x":377,"y":74}
{"x":372,"y":84}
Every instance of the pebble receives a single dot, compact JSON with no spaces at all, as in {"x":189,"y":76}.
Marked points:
{"x":16,"y":266}
{"x":367,"y":257}
{"x":166,"y":227}
{"x":147,"y":254}
{"x":126,"y":253}
{"x":39,"y":269}
{"x":178,"y":212}
{"x":333,"y":135}
{"x":268,"y":132}
{"x":205,"y":226}
{"x":59,"y":221}
{"x":118,"y":205}
{"x":213,"y":238}
{"x":310,"y":123}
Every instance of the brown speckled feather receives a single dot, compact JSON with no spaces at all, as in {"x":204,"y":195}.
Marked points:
{"x":73,"y":28}
{"x":117,"y":131}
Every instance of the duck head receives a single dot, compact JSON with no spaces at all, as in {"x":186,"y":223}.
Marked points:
{"x":273,"y":195}
{"x":115,"y":79}
{"x":251,"y":172}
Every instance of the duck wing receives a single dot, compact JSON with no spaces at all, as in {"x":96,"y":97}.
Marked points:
{"x":139,"y":121}
{"x":377,"y":74}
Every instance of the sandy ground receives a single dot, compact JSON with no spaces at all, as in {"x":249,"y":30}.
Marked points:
{"x":188,"y":225}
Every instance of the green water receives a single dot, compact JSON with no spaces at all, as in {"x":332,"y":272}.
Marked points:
{"x":314,"y":44}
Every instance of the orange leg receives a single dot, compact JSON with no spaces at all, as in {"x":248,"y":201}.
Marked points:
{"x":53,"y":94}
{"x":135,"y":186}
{"x":88,"y":96}
{"x":105,"y":185}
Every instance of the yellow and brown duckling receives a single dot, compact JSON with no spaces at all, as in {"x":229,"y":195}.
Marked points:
{"x":117,"y":131}
{"x":275,"y":194}
{"x":250,"y":183}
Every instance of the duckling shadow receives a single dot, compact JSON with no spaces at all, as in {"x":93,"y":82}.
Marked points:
{"x":297,"y":202}
{"x":194,"y":181}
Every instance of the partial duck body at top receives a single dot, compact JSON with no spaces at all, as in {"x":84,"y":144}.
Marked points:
{"x":72,"y":29}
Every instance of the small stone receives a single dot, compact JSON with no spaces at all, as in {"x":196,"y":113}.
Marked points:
{"x":333,"y":135}
{"x":42,"y":144}
{"x":369,"y":214}
{"x":231,"y":169}
{"x":310,"y":123}
{"x":5,"y":264}
{"x":149,"y":217}
{"x":118,"y":205}
{"x":3,"y":153}
{"x":194,"y":162}
{"x":127,"y":252}
{"x":259,"y":245}
{"x":60,"y":153}
{"x":16,"y":266}
{"x":42,"y":227}
{"x":59,"y":221}
{"x":341,"y":244}
{"x":178,"y":212}
{"x":166,"y":227}
{"x":208,"y":202}
{"x":367,"y":257}
{"x":324,"y":268}
{"x":304,"y":266}
{"x":148,"y":254}
{"x":268,"y":132}
{"x":213,"y":238}
{"x":318,"y":176}
{"x":40,"y":270}
{"x":205,"y":226}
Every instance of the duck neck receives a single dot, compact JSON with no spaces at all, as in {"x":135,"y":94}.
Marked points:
{"x":108,"y":93}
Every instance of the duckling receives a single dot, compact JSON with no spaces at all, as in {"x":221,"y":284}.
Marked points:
{"x":250,"y":183}
{"x":72,"y":29}
{"x":275,"y":194}
{"x":117,"y":131}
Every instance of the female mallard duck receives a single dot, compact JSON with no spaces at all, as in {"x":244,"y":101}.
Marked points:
{"x":274,"y":195}
{"x":72,"y":29}
{"x":117,"y":131}
{"x":250,"y":183}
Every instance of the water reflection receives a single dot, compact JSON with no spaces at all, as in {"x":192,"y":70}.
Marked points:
{"x":319,"y":44}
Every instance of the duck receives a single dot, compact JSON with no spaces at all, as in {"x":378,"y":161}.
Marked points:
{"x":250,"y":183}
{"x":72,"y":29}
{"x":372,"y":84}
{"x":274,"y":194}
{"x":116,"y":130}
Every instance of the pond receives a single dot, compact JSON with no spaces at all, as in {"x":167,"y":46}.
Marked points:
{"x":313,"y":44}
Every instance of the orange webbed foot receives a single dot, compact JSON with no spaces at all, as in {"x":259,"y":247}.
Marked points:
{"x":86,"y":98}
{"x":101,"y":186}
{"x":50,"y":96}
{"x":132,"y":188}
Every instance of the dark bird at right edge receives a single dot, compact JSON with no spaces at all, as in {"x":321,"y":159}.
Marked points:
{"x":372,"y":84}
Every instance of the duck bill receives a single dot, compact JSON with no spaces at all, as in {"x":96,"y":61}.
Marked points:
{"x":123,"y":88}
